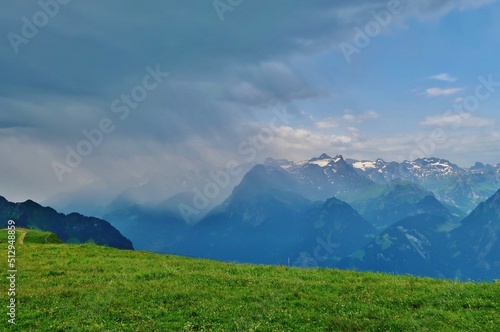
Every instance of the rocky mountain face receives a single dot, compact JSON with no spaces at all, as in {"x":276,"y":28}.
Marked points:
{"x":398,"y":200}
{"x":475,"y":245}
{"x":413,"y":245}
{"x":434,"y":244}
{"x":324,"y":177}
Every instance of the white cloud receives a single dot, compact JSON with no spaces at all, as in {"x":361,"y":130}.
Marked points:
{"x":368,"y":115}
{"x":436,"y":92}
{"x":349,"y":116}
{"x":462,"y":119}
{"x":299,"y":143}
{"x":444,"y":77}
{"x":327,"y":123}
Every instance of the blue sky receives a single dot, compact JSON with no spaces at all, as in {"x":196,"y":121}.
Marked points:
{"x":227,"y":78}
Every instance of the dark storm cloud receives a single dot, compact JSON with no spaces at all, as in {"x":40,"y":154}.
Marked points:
{"x":65,"y":78}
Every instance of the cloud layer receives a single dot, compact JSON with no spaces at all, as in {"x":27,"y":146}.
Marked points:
{"x":225,"y":79}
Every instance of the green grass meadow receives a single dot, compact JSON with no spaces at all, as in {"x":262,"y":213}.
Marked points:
{"x":63,"y":287}
{"x":30,"y":236}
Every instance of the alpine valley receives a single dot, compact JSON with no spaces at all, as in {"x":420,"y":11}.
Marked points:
{"x":427,"y":217}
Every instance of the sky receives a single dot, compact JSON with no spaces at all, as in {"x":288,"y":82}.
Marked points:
{"x":104,"y":92}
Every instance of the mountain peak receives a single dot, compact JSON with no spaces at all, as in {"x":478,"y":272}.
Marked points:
{"x":324,"y":156}
{"x":478,"y":165}
{"x":432,"y":161}
{"x":325,"y":160}
{"x":485,"y":212}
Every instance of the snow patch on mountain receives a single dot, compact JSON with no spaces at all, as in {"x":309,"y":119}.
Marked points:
{"x":321,"y":163}
{"x":364,"y":165}
{"x":418,"y":241}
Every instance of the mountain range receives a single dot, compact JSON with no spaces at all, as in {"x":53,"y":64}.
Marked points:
{"x":463,"y":188}
{"x":378,"y":216}
{"x":426,"y":217}
{"x":264,"y":221}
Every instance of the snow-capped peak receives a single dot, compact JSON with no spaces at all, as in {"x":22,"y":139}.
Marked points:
{"x":323,"y":160}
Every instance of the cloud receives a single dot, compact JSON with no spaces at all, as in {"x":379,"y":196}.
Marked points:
{"x":466,"y":4}
{"x":225,"y":78}
{"x":328,"y":123}
{"x":432,"y":8}
{"x":349,"y":117}
{"x":358,"y":118}
{"x":461,"y":119}
{"x":268,"y":84}
{"x":444,"y":77}
{"x":437,"y":92}
{"x":300,"y":143}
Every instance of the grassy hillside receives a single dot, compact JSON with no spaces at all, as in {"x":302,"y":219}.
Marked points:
{"x":24,"y":235}
{"x":91,"y":288}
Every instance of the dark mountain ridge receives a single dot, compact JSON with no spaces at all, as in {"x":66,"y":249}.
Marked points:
{"x":71,"y":228}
